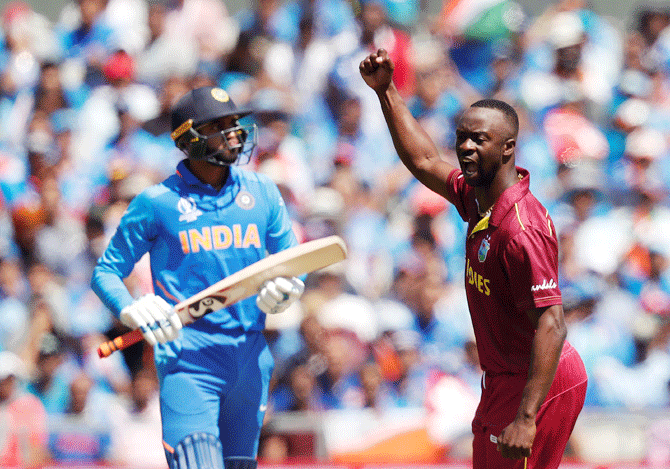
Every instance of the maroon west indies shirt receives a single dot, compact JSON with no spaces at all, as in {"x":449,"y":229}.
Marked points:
{"x":511,"y":266}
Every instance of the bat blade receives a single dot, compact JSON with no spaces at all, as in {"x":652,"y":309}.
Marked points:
{"x":301,"y":259}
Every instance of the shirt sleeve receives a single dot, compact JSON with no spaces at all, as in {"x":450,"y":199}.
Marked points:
{"x":456,"y":189}
{"x":280,"y":234}
{"x":132,"y":239}
{"x":531,"y":262}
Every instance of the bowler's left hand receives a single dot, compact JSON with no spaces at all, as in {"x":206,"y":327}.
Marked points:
{"x":278,"y":294}
{"x":516,"y":440}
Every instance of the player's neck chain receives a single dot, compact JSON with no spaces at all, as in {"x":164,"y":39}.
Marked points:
{"x":485,"y":214}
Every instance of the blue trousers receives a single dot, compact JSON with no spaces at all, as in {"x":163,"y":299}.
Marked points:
{"x":215,"y":383}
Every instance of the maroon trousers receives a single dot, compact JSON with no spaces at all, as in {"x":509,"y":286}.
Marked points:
{"x":501,"y":395}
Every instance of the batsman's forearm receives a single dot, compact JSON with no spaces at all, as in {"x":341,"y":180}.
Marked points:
{"x":545,"y":355}
{"x":111,"y":290}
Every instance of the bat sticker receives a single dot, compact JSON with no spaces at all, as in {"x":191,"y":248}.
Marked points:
{"x":207,"y":305}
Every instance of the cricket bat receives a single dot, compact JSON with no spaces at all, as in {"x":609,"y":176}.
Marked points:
{"x":298,"y":260}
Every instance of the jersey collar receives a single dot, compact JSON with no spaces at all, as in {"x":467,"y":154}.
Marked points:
{"x":509,"y":197}
{"x":191,"y":180}
{"x":505,"y":202}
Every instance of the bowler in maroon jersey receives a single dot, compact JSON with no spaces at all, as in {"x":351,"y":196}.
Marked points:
{"x":534,"y":382}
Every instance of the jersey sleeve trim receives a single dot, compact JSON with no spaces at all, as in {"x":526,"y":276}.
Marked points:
{"x":542,"y":302}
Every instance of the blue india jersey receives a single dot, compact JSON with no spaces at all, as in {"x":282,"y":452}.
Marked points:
{"x":196,"y":236}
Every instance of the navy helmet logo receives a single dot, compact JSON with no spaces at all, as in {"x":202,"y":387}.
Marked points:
{"x":220,"y":95}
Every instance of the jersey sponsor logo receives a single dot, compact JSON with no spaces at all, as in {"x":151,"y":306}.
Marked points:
{"x":544,"y":285}
{"x":484,"y":248}
{"x":188,"y":209}
{"x":245,"y":200}
{"x":217,"y":237}
{"x":482,"y":284}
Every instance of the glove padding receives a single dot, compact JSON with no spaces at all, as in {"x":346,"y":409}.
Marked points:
{"x":151,"y":314}
{"x":278,"y":294}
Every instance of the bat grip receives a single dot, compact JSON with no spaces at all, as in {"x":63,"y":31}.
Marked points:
{"x":126,"y":340}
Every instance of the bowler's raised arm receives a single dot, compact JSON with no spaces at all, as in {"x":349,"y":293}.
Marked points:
{"x":415,"y":148}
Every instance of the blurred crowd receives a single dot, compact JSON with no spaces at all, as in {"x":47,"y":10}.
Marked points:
{"x":84,"y":127}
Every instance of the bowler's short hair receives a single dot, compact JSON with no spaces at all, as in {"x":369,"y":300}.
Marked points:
{"x":502,"y":106}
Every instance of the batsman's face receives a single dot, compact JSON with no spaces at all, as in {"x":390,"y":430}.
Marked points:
{"x":482,"y":138}
{"x":223,"y":138}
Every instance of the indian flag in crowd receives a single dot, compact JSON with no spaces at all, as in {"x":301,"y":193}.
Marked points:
{"x":481,"y":19}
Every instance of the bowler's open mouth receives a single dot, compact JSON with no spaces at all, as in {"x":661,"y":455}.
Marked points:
{"x":468,"y":167}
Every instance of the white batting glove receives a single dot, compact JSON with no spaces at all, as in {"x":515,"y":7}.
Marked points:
{"x":151,"y":314}
{"x":277,"y":294}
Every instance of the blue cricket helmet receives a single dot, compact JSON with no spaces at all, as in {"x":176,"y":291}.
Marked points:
{"x":203,"y":105}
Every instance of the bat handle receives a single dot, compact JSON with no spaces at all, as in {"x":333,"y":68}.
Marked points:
{"x":126,"y":340}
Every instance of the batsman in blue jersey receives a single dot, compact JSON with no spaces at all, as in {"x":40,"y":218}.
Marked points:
{"x":205,"y":222}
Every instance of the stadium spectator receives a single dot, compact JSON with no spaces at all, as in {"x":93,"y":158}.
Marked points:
{"x":29,"y":42}
{"x":61,"y":237}
{"x":302,"y":393}
{"x":24,"y":442}
{"x":166,"y":54}
{"x":643,"y":165}
{"x":50,"y":96}
{"x":135,"y":417}
{"x":172,"y":87}
{"x":409,"y":388}
{"x":377,"y":393}
{"x":576,"y":68}
{"x":208,"y":24}
{"x":642,"y":385}
{"x":376,"y":32}
{"x":50,"y":382}
{"x":281,"y":155}
{"x":86,"y":39}
{"x":82,"y":433}
{"x":14,"y":311}
{"x":337,"y":383}
{"x":128,"y":21}
{"x":274,"y":448}
{"x":41,"y":324}
{"x":310,"y":358}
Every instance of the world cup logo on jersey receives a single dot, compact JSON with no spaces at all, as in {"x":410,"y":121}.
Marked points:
{"x":189,"y":211}
{"x":484,"y":249}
